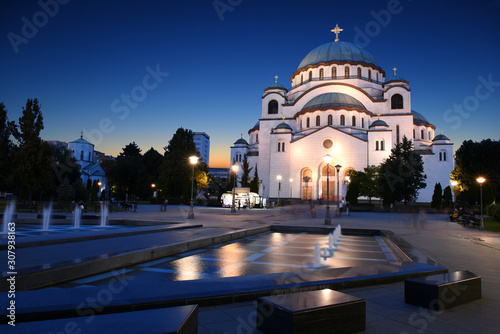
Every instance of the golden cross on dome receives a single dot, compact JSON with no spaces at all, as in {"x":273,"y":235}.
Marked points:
{"x":81,"y":134}
{"x":378,"y":115}
{"x":394,"y":69}
{"x":283,"y":118}
{"x":276,"y":79}
{"x":336,"y":31}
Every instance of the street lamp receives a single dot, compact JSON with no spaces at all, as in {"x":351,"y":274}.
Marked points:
{"x":234,"y":168}
{"x":454,"y":184}
{"x":153,"y":187}
{"x":291,"y":180}
{"x":338,"y":197}
{"x":327,"y":159}
{"x":279,"y":188}
{"x":481,"y":180}
{"x":193,"y":160}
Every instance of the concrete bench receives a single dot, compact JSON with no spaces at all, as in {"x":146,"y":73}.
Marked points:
{"x":322,"y":311}
{"x":178,"y":320}
{"x":439,"y":292}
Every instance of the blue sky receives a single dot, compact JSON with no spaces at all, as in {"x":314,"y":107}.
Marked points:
{"x":126,"y":71}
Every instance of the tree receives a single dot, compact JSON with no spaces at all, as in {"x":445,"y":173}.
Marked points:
{"x":403,"y":171}
{"x":353,"y":190}
{"x":246,"y":169}
{"x":474,"y":159}
{"x":31,"y":158}
{"x":5,"y":146}
{"x":368,"y":185}
{"x":175,"y":171}
{"x":437,"y":196}
{"x":447,"y":197}
{"x":65,"y":191}
{"x":255,"y":183}
{"x":128,"y":171}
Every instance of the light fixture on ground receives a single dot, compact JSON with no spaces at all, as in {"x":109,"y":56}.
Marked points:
{"x":279,"y":188}
{"x":338,"y":193}
{"x":481,"y":180}
{"x":327,"y":159}
{"x":454,"y":184}
{"x":193,"y":160}
{"x":234,"y":168}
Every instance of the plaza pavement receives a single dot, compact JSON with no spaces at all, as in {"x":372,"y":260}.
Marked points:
{"x":451,"y":245}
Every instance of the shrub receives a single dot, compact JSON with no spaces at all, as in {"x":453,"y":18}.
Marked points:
{"x":489,"y":209}
{"x":496,"y":212}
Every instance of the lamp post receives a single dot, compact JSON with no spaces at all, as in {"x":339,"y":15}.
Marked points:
{"x":338,"y":197}
{"x":193,"y":160}
{"x":291,"y":180}
{"x":481,"y":180}
{"x":153,"y":187}
{"x":234,"y":168}
{"x":279,"y":188}
{"x":327,"y":159}
{"x":454,"y":184}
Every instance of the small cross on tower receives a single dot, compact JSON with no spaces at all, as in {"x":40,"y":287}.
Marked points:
{"x":276,"y":79}
{"x":81,"y":134}
{"x":336,"y":31}
{"x":394,"y":69}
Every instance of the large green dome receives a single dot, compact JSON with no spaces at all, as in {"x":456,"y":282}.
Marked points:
{"x":333,"y":100}
{"x":340,"y":51}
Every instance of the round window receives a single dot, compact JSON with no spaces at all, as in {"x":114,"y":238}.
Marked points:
{"x":328,"y":144}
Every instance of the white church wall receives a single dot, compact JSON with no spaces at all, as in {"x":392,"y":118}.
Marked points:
{"x":436,"y":171}
{"x":406,"y":99}
{"x":265,"y":103}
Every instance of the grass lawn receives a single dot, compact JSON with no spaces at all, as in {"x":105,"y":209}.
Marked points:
{"x":491,"y":224}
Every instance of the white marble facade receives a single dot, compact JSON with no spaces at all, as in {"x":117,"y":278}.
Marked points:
{"x":342,"y":104}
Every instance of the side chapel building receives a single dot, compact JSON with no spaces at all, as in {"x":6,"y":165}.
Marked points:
{"x":342,"y":104}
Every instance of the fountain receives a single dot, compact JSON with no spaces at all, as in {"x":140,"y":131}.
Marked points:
{"x":7,"y":216}
{"x":47,"y":212}
{"x":317,"y":256}
{"x":104,"y":214}
{"x":78,"y":216}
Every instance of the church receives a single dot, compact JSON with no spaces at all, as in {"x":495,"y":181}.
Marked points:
{"x":341,"y":106}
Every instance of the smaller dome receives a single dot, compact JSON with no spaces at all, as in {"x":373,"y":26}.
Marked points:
{"x":283,"y":126}
{"x":378,"y":122}
{"x":395,"y":78}
{"x":440,"y":137}
{"x":419,"y":118}
{"x":276,"y":85}
{"x":241,"y":141}
{"x":333,"y":100}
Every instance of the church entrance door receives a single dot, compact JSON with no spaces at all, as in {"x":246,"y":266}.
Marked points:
{"x":324,"y":191}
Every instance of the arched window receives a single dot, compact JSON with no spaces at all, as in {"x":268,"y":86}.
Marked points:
{"x":359,"y":72}
{"x":362,"y":122}
{"x":330,"y":120}
{"x":429,"y":135}
{"x":397,"y":101}
{"x":397,"y":134}
{"x":328,"y":169}
{"x":444,"y":156}
{"x":90,"y":157}
{"x":281,"y":146}
{"x":308,"y":123}
{"x":334,"y":72}
{"x":342,"y":120}
{"x":81,"y":155}
{"x":321,"y":74}
{"x":346,"y":72}
{"x":421,"y":134}
{"x":318,"y":121}
{"x":257,"y":138}
{"x":301,"y":79}
{"x":353,"y":120}
{"x":381,"y":145}
{"x":272,"y":107}
{"x":413,"y":133}
{"x":369,"y":75}
{"x":376,"y":145}
{"x":307,"y":184}
{"x":310,"y":75}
